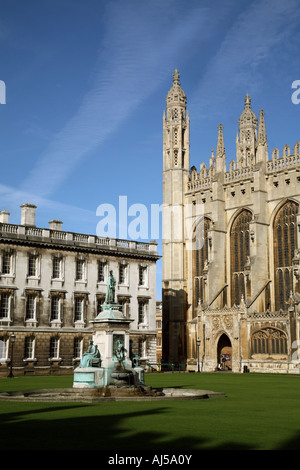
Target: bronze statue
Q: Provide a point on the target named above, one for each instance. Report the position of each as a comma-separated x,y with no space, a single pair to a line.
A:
110,290
92,357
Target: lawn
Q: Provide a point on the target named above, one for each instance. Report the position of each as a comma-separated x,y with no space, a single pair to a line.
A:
260,412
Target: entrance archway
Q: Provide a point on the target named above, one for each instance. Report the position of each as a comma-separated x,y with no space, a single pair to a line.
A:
224,352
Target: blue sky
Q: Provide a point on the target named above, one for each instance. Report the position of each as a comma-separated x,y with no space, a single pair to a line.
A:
86,83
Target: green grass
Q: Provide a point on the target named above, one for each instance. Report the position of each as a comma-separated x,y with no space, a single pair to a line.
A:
260,412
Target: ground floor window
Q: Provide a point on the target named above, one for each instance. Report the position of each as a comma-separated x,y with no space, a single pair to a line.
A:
269,341
54,348
3,349
77,347
29,347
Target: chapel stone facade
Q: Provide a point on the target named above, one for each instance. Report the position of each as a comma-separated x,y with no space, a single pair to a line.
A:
230,248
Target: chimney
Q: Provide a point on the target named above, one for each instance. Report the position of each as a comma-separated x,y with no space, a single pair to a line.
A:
55,224
28,214
4,215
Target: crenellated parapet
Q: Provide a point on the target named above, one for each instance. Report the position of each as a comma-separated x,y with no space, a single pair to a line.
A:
284,162
288,160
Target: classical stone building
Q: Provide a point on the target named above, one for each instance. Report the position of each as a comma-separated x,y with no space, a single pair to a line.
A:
53,284
230,248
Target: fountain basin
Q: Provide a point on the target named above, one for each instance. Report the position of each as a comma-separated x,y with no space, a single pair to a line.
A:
109,393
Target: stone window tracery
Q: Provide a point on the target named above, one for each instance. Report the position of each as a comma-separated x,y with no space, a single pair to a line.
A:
175,136
285,243
269,341
239,255
201,246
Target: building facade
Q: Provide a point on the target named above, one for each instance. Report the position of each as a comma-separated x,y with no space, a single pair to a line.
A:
230,248
53,284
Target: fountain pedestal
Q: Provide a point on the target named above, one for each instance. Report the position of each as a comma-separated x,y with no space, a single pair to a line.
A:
111,338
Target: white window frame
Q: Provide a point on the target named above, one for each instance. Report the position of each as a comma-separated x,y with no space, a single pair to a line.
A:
32,266
57,267
56,322
81,274
99,304
10,254
30,357
143,275
124,268
78,348
6,256
29,298
8,307
78,309
56,348
125,306
144,304
37,266
102,265
79,301
4,348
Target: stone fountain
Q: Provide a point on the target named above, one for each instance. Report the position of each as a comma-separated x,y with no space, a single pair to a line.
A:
105,372
105,364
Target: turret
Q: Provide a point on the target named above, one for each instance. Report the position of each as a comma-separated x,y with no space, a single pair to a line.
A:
176,128
175,177
220,153
262,144
247,137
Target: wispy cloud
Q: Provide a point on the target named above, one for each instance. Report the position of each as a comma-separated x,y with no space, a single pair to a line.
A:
11,198
249,43
140,48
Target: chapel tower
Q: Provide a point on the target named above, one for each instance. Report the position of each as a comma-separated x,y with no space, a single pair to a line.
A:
231,256
175,176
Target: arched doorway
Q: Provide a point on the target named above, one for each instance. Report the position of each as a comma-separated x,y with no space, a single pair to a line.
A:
224,352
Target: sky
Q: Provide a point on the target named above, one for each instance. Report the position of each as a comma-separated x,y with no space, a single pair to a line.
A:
83,90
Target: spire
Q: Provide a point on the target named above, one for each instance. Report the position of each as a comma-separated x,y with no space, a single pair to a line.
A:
262,143
262,135
176,127
220,153
247,101
176,96
247,136
220,143
248,117
176,77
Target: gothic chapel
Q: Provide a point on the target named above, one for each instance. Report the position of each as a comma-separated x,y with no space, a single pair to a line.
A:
231,249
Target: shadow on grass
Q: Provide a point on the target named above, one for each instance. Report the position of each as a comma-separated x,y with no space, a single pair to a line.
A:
111,432
82,427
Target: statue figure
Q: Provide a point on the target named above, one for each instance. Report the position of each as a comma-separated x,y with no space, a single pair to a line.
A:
110,290
120,351
91,357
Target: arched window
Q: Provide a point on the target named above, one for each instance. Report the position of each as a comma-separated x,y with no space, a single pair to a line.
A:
200,258
285,244
269,341
239,253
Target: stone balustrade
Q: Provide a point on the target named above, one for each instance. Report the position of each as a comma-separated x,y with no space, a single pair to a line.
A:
48,235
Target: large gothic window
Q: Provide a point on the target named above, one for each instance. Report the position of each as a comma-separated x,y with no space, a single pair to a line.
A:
239,255
285,244
269,341
200,258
